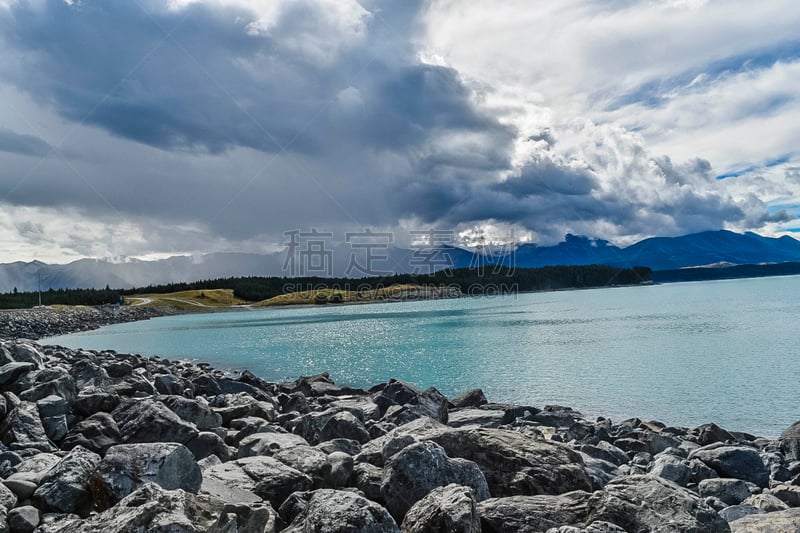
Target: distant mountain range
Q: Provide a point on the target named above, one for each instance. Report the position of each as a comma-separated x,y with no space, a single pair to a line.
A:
708,249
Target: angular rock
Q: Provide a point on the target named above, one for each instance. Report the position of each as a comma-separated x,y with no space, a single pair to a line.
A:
533,514
52,406
59,384
350,447
789,442
648,503
126,467
472,398
418,403
97,433
118,369
789,494
25,353
228,482
490,418
151,509
92,400
243,405
515,464
169,384
730,491
151,421
20,486
606,451
66,487
55,427
634,503
308,460
599,471
735,462
89,375
22,428
23,519
275,481
247,518
340,471
662,441
777,522
672,468
450,508
767,503
193,411
35,467
268,443
345,426
736,512
418,469
207,443
11,372
368,479
8,498
709,434
335,511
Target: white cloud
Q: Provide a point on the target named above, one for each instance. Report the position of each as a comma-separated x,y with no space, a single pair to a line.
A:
606,119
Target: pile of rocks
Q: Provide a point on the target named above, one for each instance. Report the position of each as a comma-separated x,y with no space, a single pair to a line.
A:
49,321
107,442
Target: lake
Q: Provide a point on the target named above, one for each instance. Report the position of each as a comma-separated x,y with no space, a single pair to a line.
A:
684,353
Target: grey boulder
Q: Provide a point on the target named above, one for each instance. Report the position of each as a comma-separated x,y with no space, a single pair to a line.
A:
789,442
777,522
737,462
638,503
275,481
128,466
730,491
268,443
150,421
515,464
24,519
451,509
152,509
196,412
66,488
344,425
97,433
22,428
413,473
336,511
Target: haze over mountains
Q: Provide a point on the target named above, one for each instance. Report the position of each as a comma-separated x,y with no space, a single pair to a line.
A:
659,253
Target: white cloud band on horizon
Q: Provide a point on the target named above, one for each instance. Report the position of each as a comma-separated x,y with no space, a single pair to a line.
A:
236,120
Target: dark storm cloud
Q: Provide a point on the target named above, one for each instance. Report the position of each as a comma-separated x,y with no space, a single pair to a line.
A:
16,143
206,78
545,178
241,126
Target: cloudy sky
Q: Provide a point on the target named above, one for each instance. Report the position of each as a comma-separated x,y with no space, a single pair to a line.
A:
146,128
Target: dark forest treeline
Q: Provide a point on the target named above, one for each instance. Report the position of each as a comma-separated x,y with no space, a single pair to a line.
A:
492,280
731,272
22,300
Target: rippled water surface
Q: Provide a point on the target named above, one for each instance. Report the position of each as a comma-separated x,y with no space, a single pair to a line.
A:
683,353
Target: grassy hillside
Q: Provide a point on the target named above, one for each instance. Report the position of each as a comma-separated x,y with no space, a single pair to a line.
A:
325,296
192,300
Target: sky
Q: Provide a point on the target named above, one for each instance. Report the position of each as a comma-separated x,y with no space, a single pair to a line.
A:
149,128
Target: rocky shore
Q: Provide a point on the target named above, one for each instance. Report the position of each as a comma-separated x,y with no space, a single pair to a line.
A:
109,442
49,321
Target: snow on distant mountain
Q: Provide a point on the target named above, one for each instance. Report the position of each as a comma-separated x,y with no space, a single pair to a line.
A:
659,253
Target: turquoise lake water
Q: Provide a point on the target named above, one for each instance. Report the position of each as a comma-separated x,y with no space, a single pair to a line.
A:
684,353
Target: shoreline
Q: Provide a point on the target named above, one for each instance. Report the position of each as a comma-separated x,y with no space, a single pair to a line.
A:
79,426
38,323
